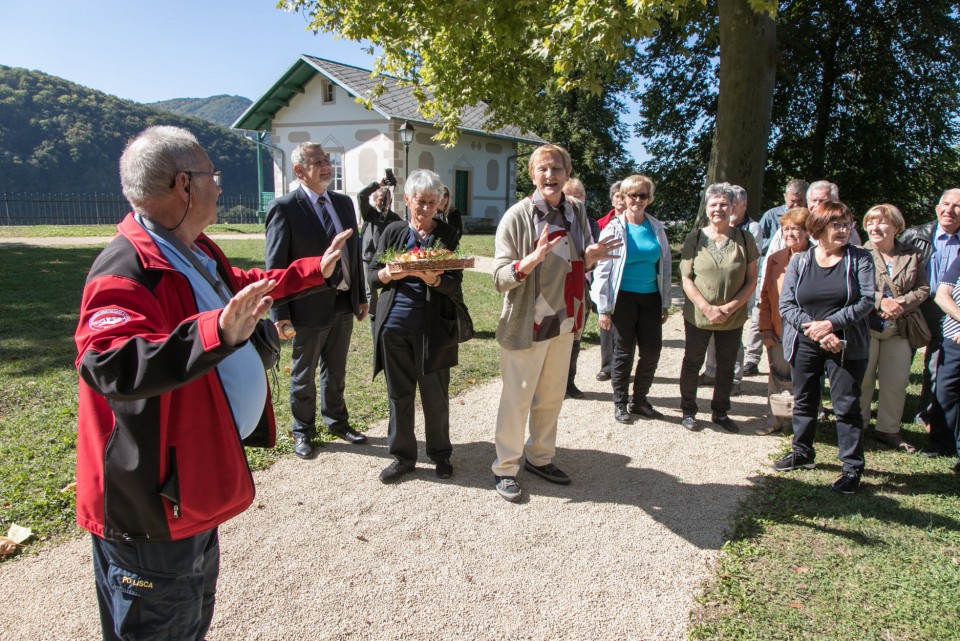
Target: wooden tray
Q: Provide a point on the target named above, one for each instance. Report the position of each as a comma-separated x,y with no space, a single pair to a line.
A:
430,265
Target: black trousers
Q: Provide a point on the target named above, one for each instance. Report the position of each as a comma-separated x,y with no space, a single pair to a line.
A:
575,352
327,347
606,350
636,320
945,414
931,358
694,351
403,369
810,363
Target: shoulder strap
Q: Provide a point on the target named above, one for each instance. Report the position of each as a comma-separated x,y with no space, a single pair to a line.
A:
164,233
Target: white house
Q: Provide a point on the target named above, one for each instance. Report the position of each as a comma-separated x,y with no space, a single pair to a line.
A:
314,100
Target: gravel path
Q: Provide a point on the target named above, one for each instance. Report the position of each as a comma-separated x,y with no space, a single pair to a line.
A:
328,552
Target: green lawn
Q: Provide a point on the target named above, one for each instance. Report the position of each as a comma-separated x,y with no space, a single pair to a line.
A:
805,563
41,296
801,562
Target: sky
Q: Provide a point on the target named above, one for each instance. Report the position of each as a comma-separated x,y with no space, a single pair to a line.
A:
151,50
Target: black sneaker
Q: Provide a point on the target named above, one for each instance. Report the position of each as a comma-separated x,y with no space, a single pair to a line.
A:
793,461
444,469
726,423
751,369
645,409
621,414
690,423
603,376
508,488
395,471
706,381
549,471
847,483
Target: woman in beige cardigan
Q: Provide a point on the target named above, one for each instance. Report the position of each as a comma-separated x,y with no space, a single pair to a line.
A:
890,352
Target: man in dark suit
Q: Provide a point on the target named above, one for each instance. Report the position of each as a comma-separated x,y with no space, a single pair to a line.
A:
303,223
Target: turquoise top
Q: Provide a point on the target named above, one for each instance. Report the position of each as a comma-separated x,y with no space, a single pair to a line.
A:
643,253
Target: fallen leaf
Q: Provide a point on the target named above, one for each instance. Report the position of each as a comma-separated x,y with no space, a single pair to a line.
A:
19,534
69,487
361,537
7,547
460,401
471,381
796,606
287,369
801,570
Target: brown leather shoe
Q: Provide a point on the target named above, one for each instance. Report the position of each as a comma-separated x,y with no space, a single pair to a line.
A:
895,440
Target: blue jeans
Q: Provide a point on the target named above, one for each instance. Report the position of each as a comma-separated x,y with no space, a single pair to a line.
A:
156,591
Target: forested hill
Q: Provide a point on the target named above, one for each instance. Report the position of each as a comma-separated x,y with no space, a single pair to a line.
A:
58,137
221,110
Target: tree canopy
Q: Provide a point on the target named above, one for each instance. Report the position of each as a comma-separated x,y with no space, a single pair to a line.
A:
504,54
866,96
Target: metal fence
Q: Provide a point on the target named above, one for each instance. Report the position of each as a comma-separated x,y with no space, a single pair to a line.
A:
106,209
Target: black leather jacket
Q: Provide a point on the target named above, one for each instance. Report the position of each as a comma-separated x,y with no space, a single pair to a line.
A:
921,237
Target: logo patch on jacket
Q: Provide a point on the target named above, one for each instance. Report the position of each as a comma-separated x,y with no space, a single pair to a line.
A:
106,318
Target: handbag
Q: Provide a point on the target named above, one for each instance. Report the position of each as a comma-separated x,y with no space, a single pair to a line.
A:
464,322
913,326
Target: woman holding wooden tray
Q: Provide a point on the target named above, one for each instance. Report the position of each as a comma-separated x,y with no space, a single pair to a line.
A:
415,329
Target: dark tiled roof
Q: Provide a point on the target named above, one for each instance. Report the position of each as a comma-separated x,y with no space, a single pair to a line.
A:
395,103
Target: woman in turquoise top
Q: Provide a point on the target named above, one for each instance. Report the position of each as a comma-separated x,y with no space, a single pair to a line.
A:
632,291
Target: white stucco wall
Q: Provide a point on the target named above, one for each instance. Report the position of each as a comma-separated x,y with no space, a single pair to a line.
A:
370,144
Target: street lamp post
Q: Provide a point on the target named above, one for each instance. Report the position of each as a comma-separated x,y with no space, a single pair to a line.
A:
406,135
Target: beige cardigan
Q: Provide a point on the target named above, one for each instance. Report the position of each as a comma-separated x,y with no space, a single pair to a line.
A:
517,237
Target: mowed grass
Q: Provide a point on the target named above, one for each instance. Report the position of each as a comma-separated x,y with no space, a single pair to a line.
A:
38,382
803,563
81,231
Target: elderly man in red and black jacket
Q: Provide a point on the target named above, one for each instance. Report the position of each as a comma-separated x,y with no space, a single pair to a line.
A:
171,388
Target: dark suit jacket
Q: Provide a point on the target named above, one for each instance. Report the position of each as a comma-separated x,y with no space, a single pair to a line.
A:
440,334
294,231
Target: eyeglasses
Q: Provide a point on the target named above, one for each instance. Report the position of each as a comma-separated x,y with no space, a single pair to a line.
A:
640,196
215,174
839,225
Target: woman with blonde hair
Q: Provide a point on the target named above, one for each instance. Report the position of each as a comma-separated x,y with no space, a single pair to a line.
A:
901,284
632,292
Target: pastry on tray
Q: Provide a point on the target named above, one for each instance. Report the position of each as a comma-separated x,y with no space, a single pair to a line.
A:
420,260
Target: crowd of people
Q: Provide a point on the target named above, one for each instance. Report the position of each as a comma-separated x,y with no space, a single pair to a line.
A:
172,346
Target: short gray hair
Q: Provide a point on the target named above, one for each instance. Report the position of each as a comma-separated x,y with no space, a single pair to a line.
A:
423,181
720,190
820,185
150,162
797,186
299,154
739,194
615,188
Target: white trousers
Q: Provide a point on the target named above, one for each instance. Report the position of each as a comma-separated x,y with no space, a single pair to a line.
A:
534,382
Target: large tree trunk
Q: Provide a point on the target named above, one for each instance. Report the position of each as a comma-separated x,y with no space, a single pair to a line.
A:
748,65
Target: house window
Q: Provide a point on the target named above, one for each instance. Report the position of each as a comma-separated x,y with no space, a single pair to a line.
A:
336,161
461,192
328,93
